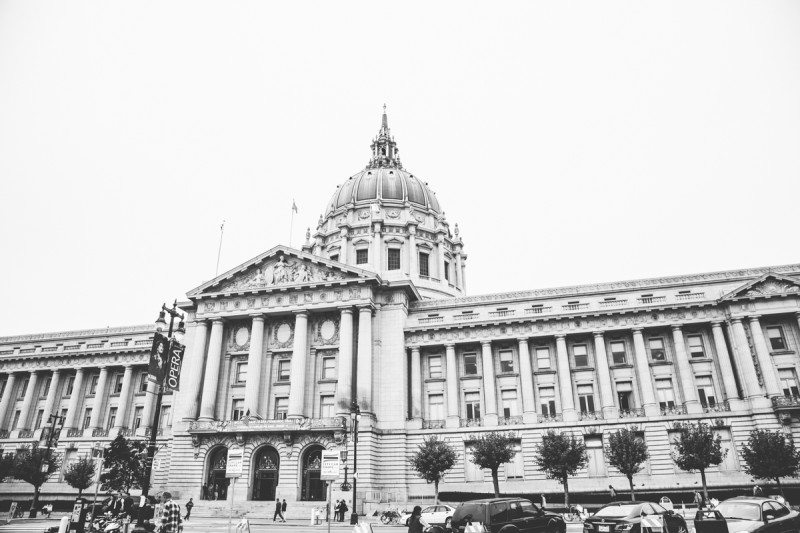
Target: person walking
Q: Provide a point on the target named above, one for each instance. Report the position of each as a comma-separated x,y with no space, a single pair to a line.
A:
170,515
188,506
283,510
612,494
415,522
544,501
698,500
757,490
278,511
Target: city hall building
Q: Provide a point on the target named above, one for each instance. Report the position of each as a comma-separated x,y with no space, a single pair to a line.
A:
374,309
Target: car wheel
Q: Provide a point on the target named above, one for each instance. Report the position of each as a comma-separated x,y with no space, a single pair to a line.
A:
447,523
408,520
682,528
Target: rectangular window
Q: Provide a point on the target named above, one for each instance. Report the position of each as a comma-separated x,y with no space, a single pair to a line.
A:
362,256
547,401
39,416
435,367
695,343
666,396
334,257
241,372
23,388
283,369
586,398
506,361
705,390
542,358
393,259
93,384
87,417
166,417
514,468
581,355
625,395
776,339
436,407
237,409
509,401
64,413
326,407
137,417
3,387
16,420
143,382
470,364
594,453
117,384
69,386
788,379
328,368
112,417
46,388
618,352
281,408
424,269
472,403
657,352
447,270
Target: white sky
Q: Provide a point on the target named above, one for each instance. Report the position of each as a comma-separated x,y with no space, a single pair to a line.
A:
572,141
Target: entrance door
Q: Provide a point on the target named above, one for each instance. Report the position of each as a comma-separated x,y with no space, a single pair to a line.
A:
265,474
313,486
216,482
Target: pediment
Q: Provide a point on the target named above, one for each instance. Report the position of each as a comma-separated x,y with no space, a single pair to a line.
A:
280,267
766,286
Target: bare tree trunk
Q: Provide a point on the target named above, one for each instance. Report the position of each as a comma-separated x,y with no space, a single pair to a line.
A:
566,492
630,482
705,488
496,483
436,492
780,487
34,503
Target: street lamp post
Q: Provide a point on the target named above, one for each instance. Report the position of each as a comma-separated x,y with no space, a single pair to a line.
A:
151,447
355,416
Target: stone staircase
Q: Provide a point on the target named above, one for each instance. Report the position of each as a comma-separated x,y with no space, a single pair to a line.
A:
259,510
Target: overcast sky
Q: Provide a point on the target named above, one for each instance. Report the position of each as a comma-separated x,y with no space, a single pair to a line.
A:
573,142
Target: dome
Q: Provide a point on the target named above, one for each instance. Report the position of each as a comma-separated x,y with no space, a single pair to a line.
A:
391,184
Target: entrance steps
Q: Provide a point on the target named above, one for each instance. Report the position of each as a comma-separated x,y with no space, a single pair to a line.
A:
261,510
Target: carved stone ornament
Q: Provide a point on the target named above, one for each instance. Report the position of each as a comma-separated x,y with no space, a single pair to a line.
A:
419,217
280,272
282,334
363,214
239,340
326,330
772,287
393,213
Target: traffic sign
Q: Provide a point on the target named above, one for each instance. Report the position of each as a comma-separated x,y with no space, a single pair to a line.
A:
233,467
330,465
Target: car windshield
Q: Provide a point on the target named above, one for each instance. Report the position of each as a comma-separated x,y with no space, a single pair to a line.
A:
617,511
739,511
470,509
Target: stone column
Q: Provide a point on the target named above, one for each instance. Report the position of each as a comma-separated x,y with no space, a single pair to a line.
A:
124,398
344,365
413,267
96,420
416,383
565,380
744,358
489,383
649,403
192,373
5,401
297,368
725,367
364,363
526,379
604,377
50,402
27,402
451,370
685,372
208,403
768,373
74,400
255,359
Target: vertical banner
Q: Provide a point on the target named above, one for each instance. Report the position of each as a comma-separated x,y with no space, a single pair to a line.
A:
158,357
174,364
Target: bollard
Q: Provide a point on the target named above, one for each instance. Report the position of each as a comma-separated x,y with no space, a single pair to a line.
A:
63,526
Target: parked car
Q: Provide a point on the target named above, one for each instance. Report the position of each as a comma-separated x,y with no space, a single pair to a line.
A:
511,515
434,515
626,517
746,514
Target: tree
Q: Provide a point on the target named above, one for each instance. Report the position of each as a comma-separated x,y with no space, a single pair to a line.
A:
559,456
626,452
770,455
80,474
492,450
698,449
433,458
35,466
125,464
6,466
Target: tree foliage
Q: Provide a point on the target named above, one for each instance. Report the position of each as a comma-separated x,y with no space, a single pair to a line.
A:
626,451
770,455
125,464
35,466
492,450
80,474
698,449
560,456
6,466
432,460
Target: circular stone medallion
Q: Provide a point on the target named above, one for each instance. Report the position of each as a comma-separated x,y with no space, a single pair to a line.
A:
284,333
327,330
242,336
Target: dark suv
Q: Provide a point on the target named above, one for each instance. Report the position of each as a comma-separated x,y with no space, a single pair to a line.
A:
509,515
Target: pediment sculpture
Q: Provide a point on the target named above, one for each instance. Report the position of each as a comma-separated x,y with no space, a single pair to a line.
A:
772,287
281,272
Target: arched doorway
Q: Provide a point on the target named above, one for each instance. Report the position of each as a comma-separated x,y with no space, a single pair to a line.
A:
216,481
313,488
265,473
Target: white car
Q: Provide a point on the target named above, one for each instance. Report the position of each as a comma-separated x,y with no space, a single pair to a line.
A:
434,515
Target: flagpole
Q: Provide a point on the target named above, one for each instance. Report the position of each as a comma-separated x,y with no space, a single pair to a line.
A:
219,252
291,222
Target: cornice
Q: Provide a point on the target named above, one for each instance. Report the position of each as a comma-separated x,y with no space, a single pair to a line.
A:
75,334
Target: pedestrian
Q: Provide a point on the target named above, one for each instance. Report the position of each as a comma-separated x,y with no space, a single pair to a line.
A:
216,492
612,494
171,515
204,492
757,490
342,510
283,509
415,523
278,511
544,501
336,511
189,506
698,500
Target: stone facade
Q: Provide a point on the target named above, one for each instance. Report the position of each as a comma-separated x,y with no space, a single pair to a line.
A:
373,309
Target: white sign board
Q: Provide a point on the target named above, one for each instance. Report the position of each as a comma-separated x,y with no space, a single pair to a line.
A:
233,467
330,465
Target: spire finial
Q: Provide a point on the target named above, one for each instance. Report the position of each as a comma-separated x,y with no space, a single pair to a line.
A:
384,148
384,121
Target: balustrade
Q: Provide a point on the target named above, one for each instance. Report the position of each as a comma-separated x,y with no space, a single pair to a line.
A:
74,432
510,420
430,320
470,422
537,310
4,433
590,415
433,424
25,433
690,296
505,312
100,432
674,410
634,412
605,304
652,299
719,407
575,307
544,419
786,402
465,316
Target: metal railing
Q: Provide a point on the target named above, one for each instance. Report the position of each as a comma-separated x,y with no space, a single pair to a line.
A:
509,420
25,433
433,424
590,415
786,402
99,432
126,432
674,410
634,412
4,433
470,422
719,407
544,419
